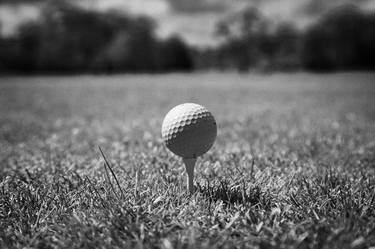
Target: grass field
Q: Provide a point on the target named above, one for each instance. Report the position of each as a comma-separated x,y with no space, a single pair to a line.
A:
293,165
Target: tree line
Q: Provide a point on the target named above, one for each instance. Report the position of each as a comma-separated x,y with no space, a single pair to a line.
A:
342,39
67,39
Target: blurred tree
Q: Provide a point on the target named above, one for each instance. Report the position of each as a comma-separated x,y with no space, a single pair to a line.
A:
132,49
251,41
174,55
284,48
73,37
242,33
343,39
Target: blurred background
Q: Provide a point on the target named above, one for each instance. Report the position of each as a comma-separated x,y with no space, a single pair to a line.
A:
155,36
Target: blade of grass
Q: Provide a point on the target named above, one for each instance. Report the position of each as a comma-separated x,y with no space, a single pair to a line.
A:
110,182
113,173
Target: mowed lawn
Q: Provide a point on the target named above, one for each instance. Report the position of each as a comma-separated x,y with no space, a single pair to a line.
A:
293,165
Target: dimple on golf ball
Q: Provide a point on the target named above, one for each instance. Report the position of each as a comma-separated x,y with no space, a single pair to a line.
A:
189,130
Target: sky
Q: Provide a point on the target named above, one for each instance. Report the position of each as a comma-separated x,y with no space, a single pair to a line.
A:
193,20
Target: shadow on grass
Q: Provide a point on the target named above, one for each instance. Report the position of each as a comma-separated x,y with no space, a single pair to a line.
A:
231,194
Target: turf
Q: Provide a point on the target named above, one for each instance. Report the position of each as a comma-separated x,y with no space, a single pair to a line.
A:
293,165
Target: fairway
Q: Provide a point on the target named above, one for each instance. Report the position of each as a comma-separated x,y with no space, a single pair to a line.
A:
293,165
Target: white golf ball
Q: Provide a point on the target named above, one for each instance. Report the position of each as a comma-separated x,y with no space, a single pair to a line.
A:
189,130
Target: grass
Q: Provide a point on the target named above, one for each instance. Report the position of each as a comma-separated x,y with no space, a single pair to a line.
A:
293,165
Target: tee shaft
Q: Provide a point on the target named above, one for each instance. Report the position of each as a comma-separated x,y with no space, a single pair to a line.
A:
189,166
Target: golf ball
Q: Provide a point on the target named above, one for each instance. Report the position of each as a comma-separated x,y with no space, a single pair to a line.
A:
189,130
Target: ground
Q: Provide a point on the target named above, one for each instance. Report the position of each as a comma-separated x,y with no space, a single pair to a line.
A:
293,165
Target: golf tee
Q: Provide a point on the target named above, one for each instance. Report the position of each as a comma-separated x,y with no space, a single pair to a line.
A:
189,166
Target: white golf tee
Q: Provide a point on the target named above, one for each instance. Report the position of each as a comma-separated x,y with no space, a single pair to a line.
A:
189,166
